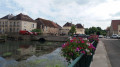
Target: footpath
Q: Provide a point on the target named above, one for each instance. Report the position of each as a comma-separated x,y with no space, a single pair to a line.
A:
100,59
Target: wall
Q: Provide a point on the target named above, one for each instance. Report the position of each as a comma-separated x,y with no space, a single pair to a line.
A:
80,31
118,29
50,30
7,26
26,25
65,30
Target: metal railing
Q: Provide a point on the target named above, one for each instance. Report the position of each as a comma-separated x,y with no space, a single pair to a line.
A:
83,60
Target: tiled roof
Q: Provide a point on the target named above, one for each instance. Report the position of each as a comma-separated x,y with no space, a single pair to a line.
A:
115,24
8,16
68,24
79,26
46,22
58,26
108,29
22,17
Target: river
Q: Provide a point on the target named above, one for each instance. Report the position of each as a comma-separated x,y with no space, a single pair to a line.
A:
31,54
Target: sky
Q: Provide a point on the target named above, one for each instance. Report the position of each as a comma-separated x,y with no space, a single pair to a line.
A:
97,13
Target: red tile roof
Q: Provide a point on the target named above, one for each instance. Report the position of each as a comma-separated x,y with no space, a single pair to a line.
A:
79,26
22,17
58,26
46,22
9,16
108,29
68,24
115,24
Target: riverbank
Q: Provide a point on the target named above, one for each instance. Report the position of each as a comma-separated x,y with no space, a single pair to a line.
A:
53,59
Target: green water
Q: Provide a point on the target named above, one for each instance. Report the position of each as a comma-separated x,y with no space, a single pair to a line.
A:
21,50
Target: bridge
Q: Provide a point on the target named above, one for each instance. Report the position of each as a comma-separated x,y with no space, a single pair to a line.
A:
50,38
38,37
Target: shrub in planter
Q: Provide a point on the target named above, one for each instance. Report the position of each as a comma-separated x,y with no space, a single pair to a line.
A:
74,47
93,38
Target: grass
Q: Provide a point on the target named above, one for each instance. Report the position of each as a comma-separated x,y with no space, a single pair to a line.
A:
7,54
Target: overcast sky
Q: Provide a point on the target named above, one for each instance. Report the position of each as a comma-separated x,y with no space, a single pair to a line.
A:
87,12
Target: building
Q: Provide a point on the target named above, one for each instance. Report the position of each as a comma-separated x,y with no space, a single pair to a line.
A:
13,24
66,28
47,27
108,31
114,28
4,23
80,29
118,29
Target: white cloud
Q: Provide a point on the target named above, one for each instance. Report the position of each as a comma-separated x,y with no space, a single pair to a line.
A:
90,13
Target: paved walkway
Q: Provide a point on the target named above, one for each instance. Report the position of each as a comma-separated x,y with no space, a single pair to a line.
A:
100,59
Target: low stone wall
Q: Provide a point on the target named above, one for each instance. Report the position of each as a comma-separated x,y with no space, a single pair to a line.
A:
33,37
57,38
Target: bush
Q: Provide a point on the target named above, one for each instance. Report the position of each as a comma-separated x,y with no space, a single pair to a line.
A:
93,38
74,47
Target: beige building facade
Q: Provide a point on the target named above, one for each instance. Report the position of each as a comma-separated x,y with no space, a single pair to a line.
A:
66,28
11,25
47,27
80,31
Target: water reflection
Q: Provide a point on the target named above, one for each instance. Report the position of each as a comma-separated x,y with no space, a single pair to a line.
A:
21,50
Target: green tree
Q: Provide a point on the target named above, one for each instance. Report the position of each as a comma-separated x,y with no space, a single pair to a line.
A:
72,30
37,30
95,30
87,31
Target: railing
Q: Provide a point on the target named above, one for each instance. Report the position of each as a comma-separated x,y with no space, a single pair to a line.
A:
83,60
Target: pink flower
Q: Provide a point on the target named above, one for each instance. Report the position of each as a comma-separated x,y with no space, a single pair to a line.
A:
83,52
64,45
71,40
82,41
77,49
74,38
78,41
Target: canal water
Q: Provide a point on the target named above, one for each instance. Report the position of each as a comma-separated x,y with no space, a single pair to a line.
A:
31,54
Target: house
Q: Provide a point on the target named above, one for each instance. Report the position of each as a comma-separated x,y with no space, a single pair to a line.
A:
13,24
47,27
114,28
66,28
108,31
118,29
80,29
4,23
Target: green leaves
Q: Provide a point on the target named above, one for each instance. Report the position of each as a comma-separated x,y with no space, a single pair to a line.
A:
95,30
36,30
72,30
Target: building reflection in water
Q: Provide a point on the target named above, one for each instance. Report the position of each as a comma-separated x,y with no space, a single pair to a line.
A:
21,50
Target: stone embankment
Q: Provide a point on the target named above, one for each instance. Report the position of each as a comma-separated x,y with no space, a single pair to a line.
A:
38,37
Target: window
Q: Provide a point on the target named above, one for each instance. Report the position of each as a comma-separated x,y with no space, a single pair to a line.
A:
18,29
14,23
46,28
10,29
32,25
13,29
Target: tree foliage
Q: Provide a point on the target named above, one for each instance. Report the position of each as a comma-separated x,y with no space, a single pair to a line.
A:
72,30
95,30
36,30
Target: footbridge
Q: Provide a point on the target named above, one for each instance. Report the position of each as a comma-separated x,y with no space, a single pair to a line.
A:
50,38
